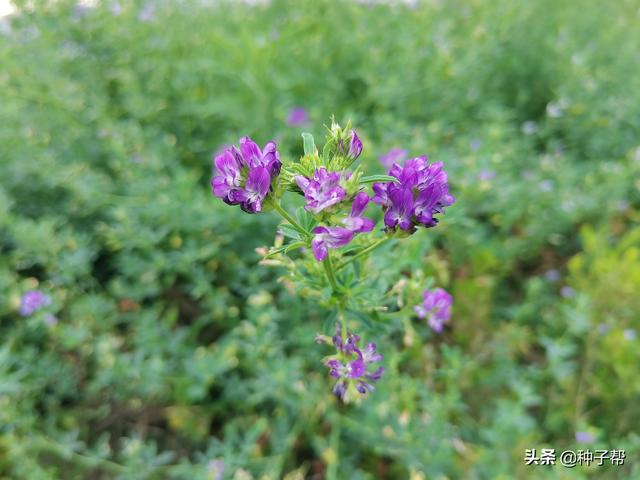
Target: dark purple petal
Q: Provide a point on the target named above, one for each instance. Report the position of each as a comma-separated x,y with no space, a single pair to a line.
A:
258,181
321,191
357,368
375,376
237,155
335,368
319,247
255,191
380,194
351,343
337,338
355,146
360,202
335,237
367,225
425,205
340,389
339,237
401,210
363,387
271,159
251,152
329,237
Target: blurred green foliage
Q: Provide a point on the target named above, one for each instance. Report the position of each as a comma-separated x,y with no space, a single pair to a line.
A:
174,347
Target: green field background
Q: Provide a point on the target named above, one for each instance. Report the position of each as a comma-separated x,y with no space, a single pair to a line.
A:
175,352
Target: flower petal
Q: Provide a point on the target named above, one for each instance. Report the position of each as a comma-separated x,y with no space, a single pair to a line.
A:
319,247
360,202
355,145
251,152
258,181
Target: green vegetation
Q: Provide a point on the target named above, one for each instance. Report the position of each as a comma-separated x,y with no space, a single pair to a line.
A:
174,347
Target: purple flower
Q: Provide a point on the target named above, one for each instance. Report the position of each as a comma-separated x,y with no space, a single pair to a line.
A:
436,307
243,176
355,146
422,190
268,158
552,275
486,175
395,155
297,116
148,13
584,437
623,205
546,185
352,365
215,468
322,191
50,320
336,237
255,190
567,292
629,334
32,301
329,237
400,209
355,221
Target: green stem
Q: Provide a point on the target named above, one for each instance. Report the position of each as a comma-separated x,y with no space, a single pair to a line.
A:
328,269
86,461
289,219
342,318
363,252
332,471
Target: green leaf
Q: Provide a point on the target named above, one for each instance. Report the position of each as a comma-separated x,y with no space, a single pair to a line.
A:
294,246
284,249
288,231
309,144
377,178
306,219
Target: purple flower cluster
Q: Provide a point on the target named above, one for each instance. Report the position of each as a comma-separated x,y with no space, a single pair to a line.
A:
244,175
436,307
353,365
420,192
297,116
395,155
322,190
33,301
336,237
